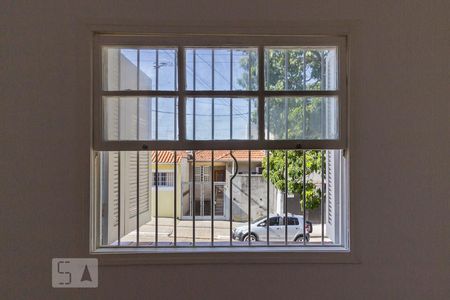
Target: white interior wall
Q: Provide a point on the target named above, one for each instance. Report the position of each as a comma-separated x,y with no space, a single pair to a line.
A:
399,111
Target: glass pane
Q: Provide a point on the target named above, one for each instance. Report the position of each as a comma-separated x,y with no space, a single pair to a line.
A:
311,191
297,118
297,69
245,119
200,116
167,69
221,69
139,69
140,118
221,119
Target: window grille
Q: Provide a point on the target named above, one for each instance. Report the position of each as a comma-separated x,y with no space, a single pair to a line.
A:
163,179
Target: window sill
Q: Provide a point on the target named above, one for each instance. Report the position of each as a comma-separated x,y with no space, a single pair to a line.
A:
237,255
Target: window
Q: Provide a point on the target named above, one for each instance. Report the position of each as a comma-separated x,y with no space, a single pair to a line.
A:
197,139
163,179
202,173
293,221
273,221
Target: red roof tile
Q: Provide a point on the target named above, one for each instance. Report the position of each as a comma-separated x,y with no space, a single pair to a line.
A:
166,157
206,155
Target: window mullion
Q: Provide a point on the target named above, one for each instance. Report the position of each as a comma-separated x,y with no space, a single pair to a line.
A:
181,94
220,94
231,99
261,122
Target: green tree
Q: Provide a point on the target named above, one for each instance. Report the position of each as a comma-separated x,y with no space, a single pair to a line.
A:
295,159
298,118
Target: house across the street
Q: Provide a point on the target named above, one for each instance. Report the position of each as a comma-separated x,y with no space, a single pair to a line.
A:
201,181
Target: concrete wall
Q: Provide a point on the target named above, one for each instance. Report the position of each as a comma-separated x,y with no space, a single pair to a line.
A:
399,148
258,197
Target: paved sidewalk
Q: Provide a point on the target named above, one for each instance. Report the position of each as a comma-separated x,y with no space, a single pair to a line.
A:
184,231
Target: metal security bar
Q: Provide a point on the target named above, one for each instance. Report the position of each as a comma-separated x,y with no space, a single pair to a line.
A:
322,206
235,172
213,205
268,196
137,199
119,225
286,174
249,211
156,198
193,199
304,197
175,199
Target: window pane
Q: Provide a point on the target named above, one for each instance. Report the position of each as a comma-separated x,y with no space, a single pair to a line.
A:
139,69
140,118
295,69
221,69
201,188
245,119
221,119
296,118
163,179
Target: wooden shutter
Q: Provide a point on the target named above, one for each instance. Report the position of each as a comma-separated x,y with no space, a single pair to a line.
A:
114,190
131,182
112,172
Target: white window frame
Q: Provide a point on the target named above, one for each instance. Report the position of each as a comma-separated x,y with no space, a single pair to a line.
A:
169,179
181,41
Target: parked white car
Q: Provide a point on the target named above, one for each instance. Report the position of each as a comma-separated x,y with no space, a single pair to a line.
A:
277,229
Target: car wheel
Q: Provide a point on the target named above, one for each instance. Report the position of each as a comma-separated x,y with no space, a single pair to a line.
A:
299,239
252,238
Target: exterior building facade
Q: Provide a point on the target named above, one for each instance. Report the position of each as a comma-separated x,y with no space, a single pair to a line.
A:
203,189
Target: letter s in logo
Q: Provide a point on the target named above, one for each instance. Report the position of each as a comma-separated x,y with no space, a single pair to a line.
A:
64,273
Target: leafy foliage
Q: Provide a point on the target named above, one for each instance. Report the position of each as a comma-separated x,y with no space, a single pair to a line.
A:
295,161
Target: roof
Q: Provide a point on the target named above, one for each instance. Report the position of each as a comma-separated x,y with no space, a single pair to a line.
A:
206,155
240,155
166,157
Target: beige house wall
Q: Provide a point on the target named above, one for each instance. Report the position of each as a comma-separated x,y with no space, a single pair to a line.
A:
166,194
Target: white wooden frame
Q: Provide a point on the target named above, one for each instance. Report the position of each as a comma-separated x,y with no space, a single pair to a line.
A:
338,254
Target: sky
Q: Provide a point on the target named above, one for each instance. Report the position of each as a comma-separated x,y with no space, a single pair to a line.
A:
202,73
209,69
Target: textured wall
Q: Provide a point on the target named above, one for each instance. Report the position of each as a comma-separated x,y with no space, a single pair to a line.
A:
399,149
